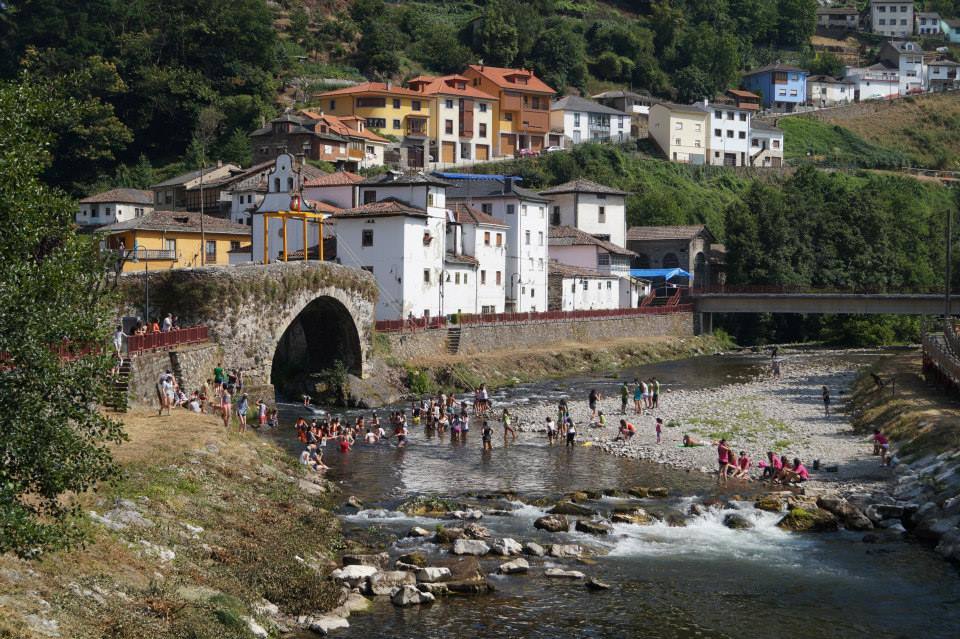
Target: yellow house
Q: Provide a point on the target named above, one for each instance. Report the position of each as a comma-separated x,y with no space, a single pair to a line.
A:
172,239
680,130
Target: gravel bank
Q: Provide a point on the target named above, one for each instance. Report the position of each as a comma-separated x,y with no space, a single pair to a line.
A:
785,415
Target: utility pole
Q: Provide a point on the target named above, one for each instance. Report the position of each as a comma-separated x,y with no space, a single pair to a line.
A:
203,236
949,275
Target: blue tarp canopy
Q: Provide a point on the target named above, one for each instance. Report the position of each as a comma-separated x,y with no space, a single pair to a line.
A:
476,176
658,273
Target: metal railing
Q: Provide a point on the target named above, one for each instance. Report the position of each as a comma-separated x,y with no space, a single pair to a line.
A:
799,289
137,344
950,334
393,326
140,254
936,354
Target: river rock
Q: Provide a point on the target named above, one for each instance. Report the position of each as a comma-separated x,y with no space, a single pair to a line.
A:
416,558
410,596
506,547
578,496
433,574
592,527
570,508
384,583
448,535
658,492
258,631
552,523
564,574
515,567
696,509
888,511
769,503
639,492
630,515
354,576
417,531
596,584
561,551
379,560
323,625
534,549
436,589
469,515
932,529
470,547
736,521
353,502
851,516
476,531
802,520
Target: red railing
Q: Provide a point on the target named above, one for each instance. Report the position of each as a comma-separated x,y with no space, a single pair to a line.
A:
392,326
158,341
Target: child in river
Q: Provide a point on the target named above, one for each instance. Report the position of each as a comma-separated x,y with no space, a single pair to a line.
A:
507,428
881,446
487,435
571,432
551,431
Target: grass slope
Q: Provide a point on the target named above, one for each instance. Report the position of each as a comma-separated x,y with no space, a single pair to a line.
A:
810,140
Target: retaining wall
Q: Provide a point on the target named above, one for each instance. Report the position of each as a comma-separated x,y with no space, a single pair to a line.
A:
486,338
196,365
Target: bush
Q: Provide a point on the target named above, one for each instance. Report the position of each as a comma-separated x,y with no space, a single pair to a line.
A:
419,381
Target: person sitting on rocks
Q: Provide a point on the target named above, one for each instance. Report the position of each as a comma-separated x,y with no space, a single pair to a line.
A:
627,431
796,473
771,468
743,466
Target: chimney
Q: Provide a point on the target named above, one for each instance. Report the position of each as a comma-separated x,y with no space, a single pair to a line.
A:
389,85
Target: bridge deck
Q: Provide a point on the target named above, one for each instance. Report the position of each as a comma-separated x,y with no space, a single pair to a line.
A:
823,303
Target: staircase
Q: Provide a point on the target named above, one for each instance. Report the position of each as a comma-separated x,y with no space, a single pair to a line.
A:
453,340
121,386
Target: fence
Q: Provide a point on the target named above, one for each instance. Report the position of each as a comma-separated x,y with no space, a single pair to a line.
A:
937,356
393,326
137,344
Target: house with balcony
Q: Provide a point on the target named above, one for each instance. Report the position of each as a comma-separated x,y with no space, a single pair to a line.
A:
462,120
744,100
115,205
942,75
907,58
827,91
680,130
838,18
950,27
387,110
593,208
781,86
171,194
637,105
478,241
344,142
164,240
880,81
728,137
583,120
766,145
365,148
522,110
928,24
525,214
891,18
572,247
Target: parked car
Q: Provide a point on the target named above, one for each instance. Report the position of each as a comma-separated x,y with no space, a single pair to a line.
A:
552,149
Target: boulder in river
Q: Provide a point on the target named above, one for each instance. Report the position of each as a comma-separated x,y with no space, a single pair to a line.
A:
769,503
852,517
428,507
736,521
564,574
596,584
552,523
592,527
323,625
561,551
415,558
384,583
639,492
630,515
379,560
658,492
448,535
475,531
433,574
354,576
570,508
410,596
534,549
417,531
802,520
353,502
515,567
506,547
473,547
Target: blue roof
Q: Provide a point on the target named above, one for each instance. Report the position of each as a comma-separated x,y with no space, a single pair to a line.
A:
657,273
477,176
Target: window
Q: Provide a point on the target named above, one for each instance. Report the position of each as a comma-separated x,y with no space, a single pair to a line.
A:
106,211
482,130
716,154
602,211
743,117
718,133
372,102
718,114
609,285
465,277
211,251
677,141
369,197
793,92
483,277
540,264
555,219
366,238
882,20
499,278
333,104
754,142
599,286
430,198
782,92
508,117
396,123
170,245
499,239
483,107
678,126
465,151
776,144
486,238
696,143
729,115
526,238
576,119
540,238
620,123
742,135
730,133
585,284
488,208
456,278
426,276
697,127
449,104
511,209
377,123
415,105
448,127
396,103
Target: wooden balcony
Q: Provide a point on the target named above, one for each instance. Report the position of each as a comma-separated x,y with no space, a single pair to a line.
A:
416,125
532,121
511,102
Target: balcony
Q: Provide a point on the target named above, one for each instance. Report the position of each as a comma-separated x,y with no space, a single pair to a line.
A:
511,103
141,254
416,126
535,121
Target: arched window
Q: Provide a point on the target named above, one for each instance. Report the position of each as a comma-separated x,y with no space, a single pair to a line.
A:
642,260
670,260
276,185
289,184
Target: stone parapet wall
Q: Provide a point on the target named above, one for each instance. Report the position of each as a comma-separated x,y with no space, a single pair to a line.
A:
196,365
486,338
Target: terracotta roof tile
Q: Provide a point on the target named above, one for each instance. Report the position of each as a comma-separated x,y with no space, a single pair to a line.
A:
665,232
569,236
124,196
337,178
187,221
555,268
500,75
389,207
581,185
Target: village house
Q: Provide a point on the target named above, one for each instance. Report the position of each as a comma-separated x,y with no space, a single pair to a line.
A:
245,191
942,75
525,213
171,194
891,18
398,233
522,109
343,141
669,247
839,18
826,91
928,24
907,58
680,131
477,244
461,126
340,189
744,100
583,120
950,27
173,239
637,105
781,86
574,288
728,140
593,208
365,148
878,81
115,205
573,247
766,145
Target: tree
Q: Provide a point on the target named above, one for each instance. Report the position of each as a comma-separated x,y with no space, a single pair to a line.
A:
559,57
497,38
53,438
440,49
379,45
798,21
826,63
236,149
692,85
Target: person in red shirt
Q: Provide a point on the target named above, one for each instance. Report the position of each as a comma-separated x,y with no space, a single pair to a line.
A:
797,473
881,446
627,430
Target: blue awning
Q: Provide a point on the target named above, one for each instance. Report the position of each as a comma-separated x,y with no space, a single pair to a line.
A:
658,273
477,176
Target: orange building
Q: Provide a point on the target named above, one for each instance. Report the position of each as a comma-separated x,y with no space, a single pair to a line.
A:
522,111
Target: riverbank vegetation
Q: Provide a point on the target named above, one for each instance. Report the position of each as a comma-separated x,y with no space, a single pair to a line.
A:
200,526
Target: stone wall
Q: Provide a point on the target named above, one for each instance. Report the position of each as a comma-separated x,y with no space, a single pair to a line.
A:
196,364
482,339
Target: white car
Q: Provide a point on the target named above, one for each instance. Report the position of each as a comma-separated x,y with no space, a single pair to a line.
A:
552,149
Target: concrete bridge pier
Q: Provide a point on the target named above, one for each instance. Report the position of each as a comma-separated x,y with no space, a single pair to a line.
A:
702,323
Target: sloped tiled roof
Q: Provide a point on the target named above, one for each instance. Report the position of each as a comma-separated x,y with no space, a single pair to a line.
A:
740,93
485,189
184,221
338,125
499,75
466,214
576,103
323,207
582,185
665,232
389,207
569,236
555,268
460,259
371,87
446,85
403,179
337,178
124,196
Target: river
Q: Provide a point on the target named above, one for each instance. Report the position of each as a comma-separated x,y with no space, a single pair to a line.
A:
700,580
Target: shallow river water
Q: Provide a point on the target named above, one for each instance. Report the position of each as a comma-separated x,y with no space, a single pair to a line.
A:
701,580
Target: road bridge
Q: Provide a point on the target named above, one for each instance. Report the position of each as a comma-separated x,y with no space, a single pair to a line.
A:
822,303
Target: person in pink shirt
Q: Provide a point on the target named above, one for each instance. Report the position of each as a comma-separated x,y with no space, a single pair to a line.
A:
797,473
881,446
743,466
771,467
723,459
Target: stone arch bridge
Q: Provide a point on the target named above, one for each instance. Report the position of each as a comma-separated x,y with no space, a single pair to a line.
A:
277,322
